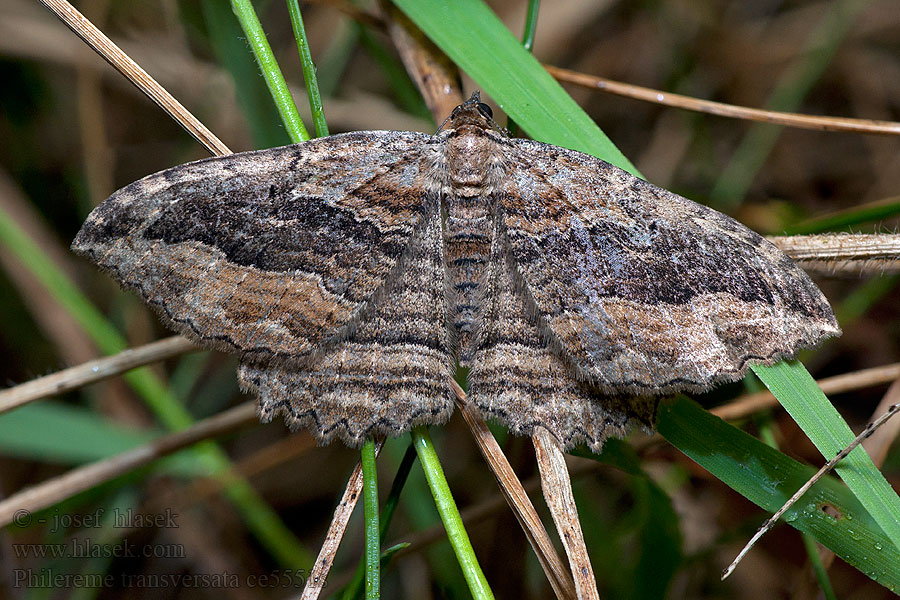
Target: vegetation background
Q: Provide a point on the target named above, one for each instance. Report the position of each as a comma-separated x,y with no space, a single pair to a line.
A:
73,131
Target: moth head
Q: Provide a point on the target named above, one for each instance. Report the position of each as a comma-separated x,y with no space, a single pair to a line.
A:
472,112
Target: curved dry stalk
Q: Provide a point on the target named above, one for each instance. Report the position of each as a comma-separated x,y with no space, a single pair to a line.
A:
517,499
427,66
106,48
856,253
77,480
725,110
93,371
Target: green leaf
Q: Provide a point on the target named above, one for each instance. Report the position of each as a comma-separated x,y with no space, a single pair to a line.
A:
250,90
768,478
256,38
370,510
456,530
798,393
877,211
71,435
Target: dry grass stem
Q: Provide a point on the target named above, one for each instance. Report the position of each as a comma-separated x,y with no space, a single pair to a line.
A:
725,110
558,495
852,253
93,371
83,478
319,573
106,48
518,500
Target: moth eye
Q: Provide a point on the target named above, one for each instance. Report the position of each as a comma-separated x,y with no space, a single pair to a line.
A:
485,110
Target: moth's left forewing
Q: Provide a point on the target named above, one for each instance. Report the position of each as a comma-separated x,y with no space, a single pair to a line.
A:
642,291
270,253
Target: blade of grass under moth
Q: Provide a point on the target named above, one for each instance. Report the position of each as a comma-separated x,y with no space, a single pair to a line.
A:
370,510
354,588
531,18
250,91
256,37
456,531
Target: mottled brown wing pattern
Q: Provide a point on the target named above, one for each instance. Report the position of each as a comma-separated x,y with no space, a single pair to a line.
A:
271,253
642,291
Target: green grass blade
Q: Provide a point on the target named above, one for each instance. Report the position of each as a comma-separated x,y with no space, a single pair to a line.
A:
355,587
797,391
419,511
456,531
768,478
373,531
818,567
531,18
256,37
309,69
470,34
70,435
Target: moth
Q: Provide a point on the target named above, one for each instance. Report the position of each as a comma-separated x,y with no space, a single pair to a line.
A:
353,273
